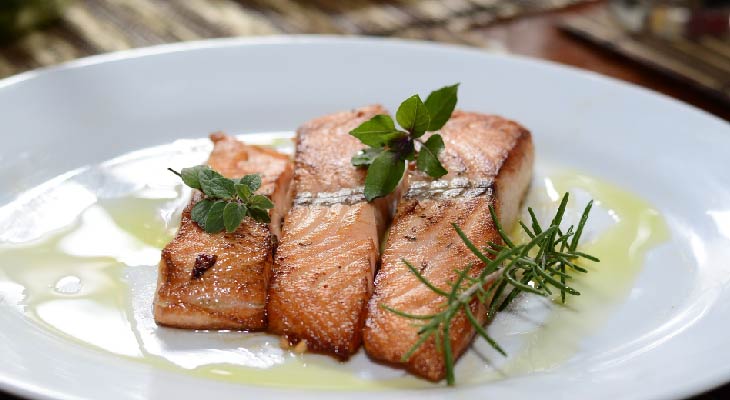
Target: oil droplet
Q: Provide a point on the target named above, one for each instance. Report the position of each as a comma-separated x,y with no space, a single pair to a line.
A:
68,285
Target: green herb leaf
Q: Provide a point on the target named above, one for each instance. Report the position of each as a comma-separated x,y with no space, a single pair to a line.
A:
214,221
427,159
365,156
390,148
252,181
377,131
243,191
413,116
227,201
232,217
410,153
261,202
440,104
383,175
190,175
507,267
243,210
215,184
259,215
200,210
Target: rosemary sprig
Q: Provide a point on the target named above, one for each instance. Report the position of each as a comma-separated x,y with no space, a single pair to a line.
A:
546,261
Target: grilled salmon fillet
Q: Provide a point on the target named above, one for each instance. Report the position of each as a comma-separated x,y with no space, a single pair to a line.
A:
220,281
329,248
489,160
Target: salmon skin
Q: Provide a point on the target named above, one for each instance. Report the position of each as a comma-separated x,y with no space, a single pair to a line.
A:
220,281
489,160
329,249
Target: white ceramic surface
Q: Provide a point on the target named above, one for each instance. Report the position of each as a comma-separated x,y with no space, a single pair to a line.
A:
668,340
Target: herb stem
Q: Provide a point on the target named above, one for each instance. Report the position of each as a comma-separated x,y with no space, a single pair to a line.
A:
545,261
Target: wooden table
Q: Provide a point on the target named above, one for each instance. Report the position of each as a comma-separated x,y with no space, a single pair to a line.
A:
538,36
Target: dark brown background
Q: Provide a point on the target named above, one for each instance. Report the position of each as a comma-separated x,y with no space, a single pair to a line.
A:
539,36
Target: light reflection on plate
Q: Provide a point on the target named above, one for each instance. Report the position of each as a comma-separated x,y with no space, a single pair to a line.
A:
669,154
113,246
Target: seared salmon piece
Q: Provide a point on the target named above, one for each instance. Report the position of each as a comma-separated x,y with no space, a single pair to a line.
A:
490,161
326,259
220,281
232,158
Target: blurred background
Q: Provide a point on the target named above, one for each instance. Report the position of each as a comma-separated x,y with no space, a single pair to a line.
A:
678,47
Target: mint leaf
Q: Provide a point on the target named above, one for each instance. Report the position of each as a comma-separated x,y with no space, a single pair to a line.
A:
405,148
190,175
214,221
427,159
200,210
413,116
243,210
377,131
232,217
243,191
215,184
383,175
227,201
440,104
365,156
261,202
259,215
252,181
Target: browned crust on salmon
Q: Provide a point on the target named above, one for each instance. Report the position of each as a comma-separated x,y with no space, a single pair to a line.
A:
327,256
324,149
229,291
325,305
477,147
231,294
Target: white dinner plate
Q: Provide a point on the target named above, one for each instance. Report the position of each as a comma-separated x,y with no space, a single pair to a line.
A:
665,337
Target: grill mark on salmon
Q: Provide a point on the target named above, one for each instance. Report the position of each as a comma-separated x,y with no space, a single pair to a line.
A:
489,160
326,260
220,281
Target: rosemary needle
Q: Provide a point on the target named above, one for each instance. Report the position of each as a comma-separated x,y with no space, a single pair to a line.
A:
546,261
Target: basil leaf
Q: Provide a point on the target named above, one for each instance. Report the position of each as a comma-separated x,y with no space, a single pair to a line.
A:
405,148
260,202
215,184
190,175
427,159
410,155
200,210
413,116
252,181
383,175
231,217
214,221
243,191
377,131
365,156
440,104
259,215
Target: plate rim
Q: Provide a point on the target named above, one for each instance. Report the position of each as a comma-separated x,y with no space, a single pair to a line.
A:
305,39
709,380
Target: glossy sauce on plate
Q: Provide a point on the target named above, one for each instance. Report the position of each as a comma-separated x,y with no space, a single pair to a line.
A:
78,256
